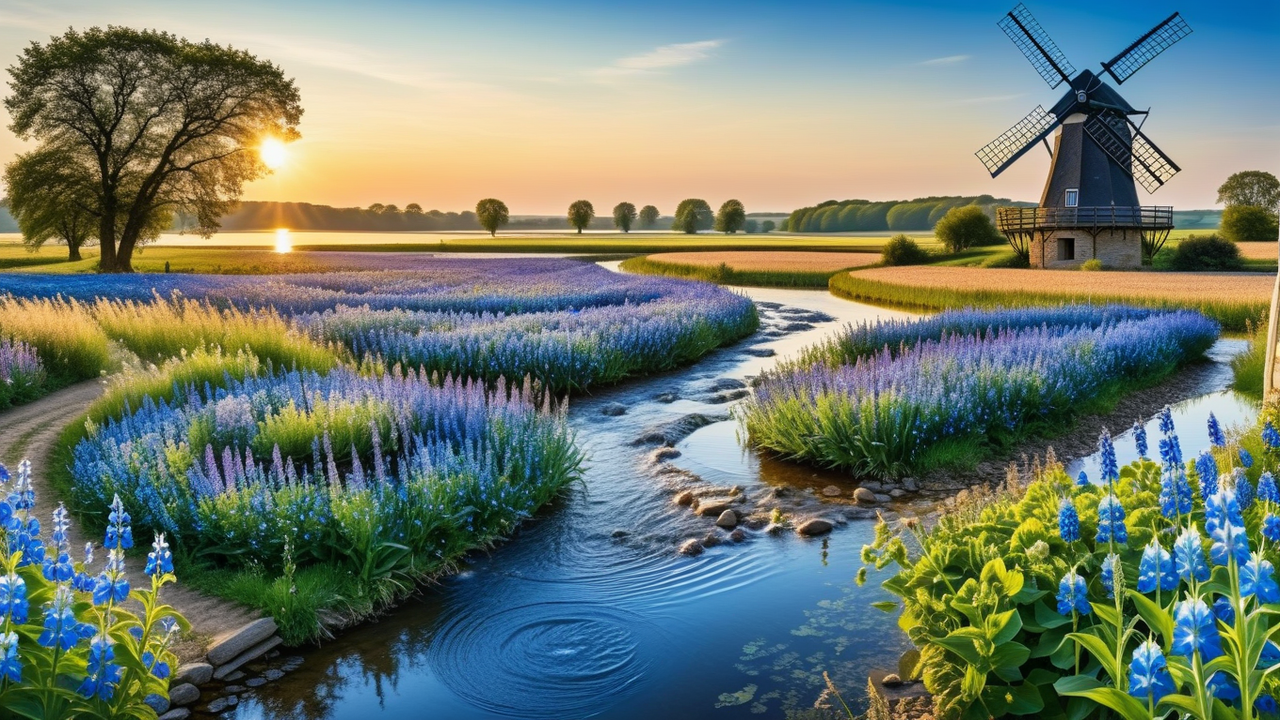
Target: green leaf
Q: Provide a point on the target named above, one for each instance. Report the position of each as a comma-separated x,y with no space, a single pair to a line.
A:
885,606
1010,655
1086,687
1006,625
1154,616
1099,650
1048,618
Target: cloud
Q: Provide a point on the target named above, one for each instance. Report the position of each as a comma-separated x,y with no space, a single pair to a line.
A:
948,60
661,58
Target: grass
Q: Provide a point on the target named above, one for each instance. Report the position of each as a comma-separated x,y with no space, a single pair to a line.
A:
70,343
1234,300
723,274
1248,367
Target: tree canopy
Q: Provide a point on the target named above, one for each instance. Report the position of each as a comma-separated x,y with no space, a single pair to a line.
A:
49,202
580,214
894,215
624,213
731,217
492,214
966,226
166,126
1256,188
1249,223
692,215
649,217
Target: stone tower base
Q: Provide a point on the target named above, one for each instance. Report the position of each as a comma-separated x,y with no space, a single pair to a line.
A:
1068,249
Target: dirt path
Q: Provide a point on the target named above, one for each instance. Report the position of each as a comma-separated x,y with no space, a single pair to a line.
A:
30,431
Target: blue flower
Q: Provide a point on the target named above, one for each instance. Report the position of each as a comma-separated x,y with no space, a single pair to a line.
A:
1207,471
1223,610
112,586
1140,438
13,598
1257,577
1111,525
59,571
104,675
1246,460
158,668
1225,525
1149,673
1166,421
1223,687
1188,555
1082,479
1068,521
1170,452
1073,595
1270,655
1270,437
1267,491
1194,630
1156,569
23,496
1175,494
1266,704
10,663
160,558
1216,436
1244,490
119,534
1271,528
61,628
1108,576
1110,470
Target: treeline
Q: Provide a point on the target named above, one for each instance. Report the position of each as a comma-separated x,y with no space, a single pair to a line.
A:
299,216
895,215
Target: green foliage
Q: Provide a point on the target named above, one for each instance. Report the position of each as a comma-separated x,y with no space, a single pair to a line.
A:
902,250
731,217
866,216
624,213
767,226
1091,265
751,227
648,217
693,215
1255,188
965,227
1206,252
492,214
580,214
48,200
1248,367
1249,223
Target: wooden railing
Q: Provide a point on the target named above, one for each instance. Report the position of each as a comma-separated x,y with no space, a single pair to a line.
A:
1028,219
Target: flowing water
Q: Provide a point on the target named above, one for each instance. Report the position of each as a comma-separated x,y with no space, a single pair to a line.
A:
591,612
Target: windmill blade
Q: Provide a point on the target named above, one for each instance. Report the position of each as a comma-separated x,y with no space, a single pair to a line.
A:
1146,48
1132,151
1004,150
1021,27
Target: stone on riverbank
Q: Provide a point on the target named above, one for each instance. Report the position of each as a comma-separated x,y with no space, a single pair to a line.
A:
684,497
197,673
176,714
814,526
252,653
241,640
727,520
692,548
613,409
864,496
713,506
832,491
184,694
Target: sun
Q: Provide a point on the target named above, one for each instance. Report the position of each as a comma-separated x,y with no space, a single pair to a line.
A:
273,153
284,243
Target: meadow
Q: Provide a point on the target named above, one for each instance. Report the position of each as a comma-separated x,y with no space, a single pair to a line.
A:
894,398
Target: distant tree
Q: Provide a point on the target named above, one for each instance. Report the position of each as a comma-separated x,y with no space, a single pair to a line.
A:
1249,223
413,209
170,126
731,217
492,214
751,227
966,226
1251,187
50,199
693,215
376,208
648,217
767,226
390,210
624,213
580,214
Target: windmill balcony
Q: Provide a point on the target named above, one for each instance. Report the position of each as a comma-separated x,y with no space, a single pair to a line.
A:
1014,220
1119,237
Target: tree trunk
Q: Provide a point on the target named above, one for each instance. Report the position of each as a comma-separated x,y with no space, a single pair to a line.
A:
107,239
124,253
73,252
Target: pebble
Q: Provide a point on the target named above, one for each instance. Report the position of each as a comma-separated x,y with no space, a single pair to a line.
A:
613,409
814,526
691,548
713,506
241,640
711,540
684,497
233,689
891,680
194,673
897,493
291,663
738,535
183,694
832,491
234,677
910,484
221,704
882,498
256,682
176,714
619,534
864,496
727,520
159,703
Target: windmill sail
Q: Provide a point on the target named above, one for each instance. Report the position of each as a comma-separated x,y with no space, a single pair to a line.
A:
1146,48
1132,151
1021,27
1004,150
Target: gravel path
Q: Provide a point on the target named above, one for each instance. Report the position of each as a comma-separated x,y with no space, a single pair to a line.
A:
30,431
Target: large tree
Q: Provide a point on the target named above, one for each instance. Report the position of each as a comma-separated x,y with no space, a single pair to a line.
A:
492,214
580,214
731,217
649,217
624,213
166,126
50,200
1251,187
693,215
966,226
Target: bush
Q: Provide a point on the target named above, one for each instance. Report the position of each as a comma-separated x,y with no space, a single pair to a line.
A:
1249,223
965,227
1092,265
902,250
1206,252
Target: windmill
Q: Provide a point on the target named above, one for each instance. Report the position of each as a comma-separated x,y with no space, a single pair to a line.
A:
1099,156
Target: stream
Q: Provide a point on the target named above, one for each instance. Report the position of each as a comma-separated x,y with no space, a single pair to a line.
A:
590,611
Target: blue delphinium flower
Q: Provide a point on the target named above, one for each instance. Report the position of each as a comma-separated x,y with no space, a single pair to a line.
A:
61,628
1216,436
1225,526
1244,490
1223,610
1140,438
1246,459
83,581
1149,673
1111,527
1224,687
158,668
104,675
1082,479
1188,555
1266,704
1073,595
1166,421
1194,630
1270,437
112,585
1068,521
13,598
1207,471
23,496
1257,577
119,533
10,663
1175,493
1270,655
1108,575
1267,491
1156,569
1110,469
160,558
1271,528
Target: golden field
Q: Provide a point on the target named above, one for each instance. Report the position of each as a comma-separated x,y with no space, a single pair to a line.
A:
755,261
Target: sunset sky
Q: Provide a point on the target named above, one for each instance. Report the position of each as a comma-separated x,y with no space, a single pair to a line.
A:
779,105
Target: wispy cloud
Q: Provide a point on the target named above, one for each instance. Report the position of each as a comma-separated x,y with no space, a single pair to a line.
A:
664,57
948,60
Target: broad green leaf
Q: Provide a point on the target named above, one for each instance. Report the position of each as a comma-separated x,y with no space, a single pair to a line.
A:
1080,686
1154,616
885,606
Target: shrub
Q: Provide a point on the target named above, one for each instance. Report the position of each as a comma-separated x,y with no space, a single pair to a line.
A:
902,250
1091,265
1206,252
22,377
63,332
965,227
1249,223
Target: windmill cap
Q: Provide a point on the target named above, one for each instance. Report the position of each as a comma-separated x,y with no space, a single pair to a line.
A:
1097,93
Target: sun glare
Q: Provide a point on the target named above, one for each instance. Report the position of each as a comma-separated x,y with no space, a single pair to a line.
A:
284,243
273,153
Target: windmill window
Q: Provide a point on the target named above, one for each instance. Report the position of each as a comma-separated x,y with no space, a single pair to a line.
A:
1066,248
1073,198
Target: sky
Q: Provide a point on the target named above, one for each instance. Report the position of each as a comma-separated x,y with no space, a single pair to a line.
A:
780,105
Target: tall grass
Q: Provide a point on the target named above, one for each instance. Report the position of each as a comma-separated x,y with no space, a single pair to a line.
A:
1249,366
722,274
70,343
